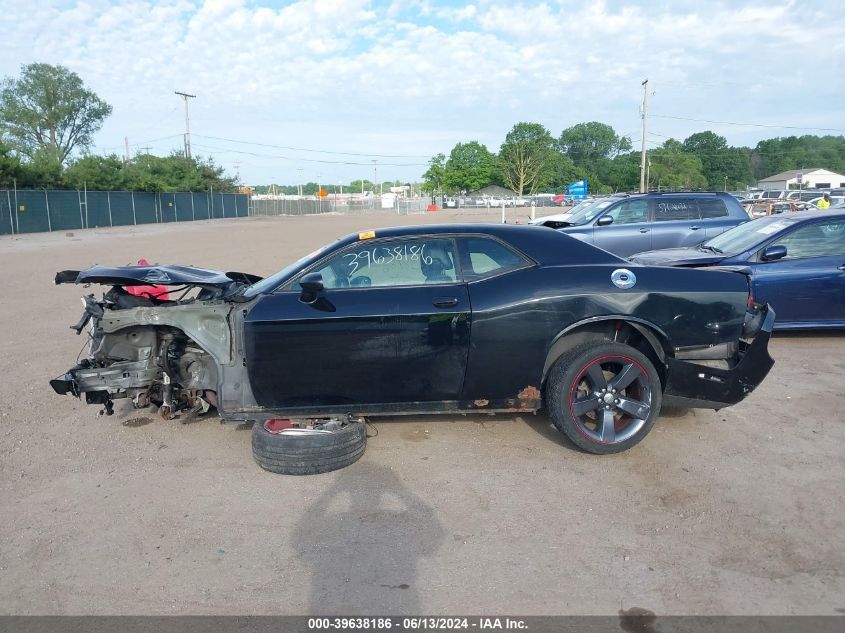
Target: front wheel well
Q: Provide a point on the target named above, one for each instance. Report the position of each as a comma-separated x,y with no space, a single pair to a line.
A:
640,336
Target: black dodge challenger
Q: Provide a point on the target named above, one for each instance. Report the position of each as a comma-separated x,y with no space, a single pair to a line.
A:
426,319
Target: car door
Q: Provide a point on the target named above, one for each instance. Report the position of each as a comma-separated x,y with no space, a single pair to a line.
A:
504,338
715,218
630,231
808,285
390,327
676,223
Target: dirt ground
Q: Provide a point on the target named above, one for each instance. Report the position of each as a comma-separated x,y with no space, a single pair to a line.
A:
731,512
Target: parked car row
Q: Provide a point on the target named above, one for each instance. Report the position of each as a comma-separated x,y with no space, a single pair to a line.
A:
538,200
798,195
794,252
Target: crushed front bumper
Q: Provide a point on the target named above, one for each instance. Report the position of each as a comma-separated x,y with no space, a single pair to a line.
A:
693,385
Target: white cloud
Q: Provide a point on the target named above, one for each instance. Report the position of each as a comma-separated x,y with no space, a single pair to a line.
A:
416,76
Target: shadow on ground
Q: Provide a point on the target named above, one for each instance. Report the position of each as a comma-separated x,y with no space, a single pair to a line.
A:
362,541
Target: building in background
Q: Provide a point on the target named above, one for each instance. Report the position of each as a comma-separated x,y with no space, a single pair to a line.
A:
810,178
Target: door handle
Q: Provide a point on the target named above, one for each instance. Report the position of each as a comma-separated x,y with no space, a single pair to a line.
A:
643,230
694,228
445,302
842,267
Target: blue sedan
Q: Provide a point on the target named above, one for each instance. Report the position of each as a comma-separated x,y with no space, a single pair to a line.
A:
796,263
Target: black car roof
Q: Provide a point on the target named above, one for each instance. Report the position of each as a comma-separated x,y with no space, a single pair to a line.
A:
541,244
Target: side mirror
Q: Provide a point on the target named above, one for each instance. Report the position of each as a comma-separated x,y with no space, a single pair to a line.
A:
604,220
312,285
773,253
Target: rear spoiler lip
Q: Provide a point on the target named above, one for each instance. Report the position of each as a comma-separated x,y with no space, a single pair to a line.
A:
66,277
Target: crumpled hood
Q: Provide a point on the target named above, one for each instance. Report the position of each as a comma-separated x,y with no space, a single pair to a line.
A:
159,275
677,257
558,217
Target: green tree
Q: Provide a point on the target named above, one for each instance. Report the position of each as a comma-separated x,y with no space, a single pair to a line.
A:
588,143
49,110
720,164
435,174
99,173
356,186
672,168
559,173
470,166
526,158
622,173
11,170
43,171
772,156
146,172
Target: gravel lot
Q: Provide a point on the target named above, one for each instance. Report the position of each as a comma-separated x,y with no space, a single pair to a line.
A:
731,512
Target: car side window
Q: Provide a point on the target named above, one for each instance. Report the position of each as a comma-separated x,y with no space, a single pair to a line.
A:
815,240
712,208
403,262
485,257
677,209
630,212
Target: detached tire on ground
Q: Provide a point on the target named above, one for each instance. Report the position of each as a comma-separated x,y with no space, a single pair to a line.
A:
604,396
308,453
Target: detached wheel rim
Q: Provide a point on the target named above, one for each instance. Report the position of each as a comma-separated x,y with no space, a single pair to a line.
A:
610,399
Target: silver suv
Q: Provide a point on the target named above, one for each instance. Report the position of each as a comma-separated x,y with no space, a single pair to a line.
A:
651,221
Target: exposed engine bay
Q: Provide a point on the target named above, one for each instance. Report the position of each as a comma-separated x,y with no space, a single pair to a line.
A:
165,352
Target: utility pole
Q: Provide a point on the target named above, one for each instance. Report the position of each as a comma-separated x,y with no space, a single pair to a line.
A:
643,183
375,176
186,96
126,145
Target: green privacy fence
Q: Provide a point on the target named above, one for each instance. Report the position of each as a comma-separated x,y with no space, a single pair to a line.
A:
36,211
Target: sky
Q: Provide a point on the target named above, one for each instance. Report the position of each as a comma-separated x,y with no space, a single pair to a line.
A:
333,90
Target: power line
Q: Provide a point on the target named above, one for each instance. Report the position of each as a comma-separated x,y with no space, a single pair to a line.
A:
306,160
152,140
785,127
315,151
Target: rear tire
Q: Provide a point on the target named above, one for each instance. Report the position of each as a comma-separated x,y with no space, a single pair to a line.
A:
605,397
308,454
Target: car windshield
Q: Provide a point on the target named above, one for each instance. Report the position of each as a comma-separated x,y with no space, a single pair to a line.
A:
268,283
588,212
580,205
747,235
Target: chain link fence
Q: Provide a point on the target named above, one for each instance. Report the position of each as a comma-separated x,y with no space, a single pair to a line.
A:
36,211
295,205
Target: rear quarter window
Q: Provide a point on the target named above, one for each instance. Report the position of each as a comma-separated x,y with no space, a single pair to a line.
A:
712,208
486,257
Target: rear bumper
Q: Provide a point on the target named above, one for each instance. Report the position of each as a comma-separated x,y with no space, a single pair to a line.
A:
696,386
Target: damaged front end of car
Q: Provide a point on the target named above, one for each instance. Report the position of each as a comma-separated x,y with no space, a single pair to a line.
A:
149,347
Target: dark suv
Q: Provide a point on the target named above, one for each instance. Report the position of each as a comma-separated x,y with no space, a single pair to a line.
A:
651,221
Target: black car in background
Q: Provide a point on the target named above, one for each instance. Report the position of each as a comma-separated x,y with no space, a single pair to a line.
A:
427,319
